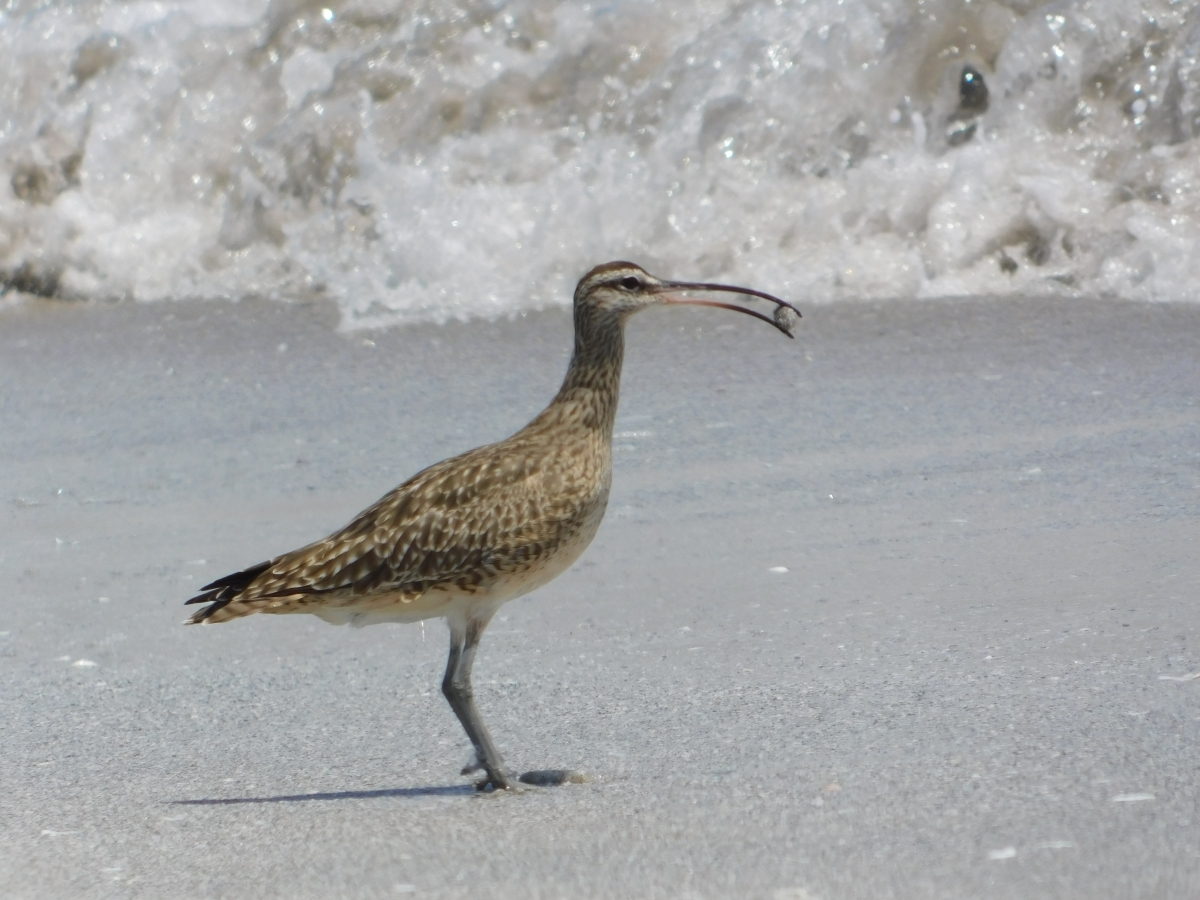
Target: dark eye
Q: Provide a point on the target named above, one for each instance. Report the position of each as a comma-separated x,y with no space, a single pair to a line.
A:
630,283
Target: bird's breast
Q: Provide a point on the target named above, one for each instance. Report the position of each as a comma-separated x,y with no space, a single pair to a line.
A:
556,555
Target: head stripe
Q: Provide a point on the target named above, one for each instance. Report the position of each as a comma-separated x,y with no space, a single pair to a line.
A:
605,272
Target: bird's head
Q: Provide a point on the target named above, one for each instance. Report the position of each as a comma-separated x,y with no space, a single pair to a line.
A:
619,289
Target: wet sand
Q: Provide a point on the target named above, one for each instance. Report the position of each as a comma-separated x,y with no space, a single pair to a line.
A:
989,514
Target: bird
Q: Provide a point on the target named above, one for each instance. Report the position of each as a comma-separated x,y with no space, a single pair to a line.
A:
468,534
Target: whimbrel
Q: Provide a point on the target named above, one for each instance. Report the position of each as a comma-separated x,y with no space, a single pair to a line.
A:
470,533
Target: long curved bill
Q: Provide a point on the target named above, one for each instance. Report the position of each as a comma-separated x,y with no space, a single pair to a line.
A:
782,320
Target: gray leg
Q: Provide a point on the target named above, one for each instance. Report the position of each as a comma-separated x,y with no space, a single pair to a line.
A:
464,639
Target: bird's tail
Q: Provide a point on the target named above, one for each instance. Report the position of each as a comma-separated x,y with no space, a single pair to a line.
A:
222,597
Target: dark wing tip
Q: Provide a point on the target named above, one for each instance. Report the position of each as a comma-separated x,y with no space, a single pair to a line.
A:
239,581
224,591
206,597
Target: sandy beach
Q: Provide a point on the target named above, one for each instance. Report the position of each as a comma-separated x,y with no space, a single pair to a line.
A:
904,608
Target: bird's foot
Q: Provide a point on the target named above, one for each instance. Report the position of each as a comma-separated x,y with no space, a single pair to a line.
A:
493,780
554,777
504,780
493,783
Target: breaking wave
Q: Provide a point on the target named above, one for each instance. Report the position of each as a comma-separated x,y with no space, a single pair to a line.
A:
439,159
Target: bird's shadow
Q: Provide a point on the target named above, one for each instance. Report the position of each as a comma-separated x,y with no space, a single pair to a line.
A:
449,790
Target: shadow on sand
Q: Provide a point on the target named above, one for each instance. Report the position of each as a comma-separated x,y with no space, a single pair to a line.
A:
457,790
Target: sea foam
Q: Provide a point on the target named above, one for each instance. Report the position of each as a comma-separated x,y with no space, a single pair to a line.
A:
435,160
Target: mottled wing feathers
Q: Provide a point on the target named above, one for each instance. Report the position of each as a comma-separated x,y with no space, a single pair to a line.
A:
462,521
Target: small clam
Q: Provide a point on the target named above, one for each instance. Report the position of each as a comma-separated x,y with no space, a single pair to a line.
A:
785,318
